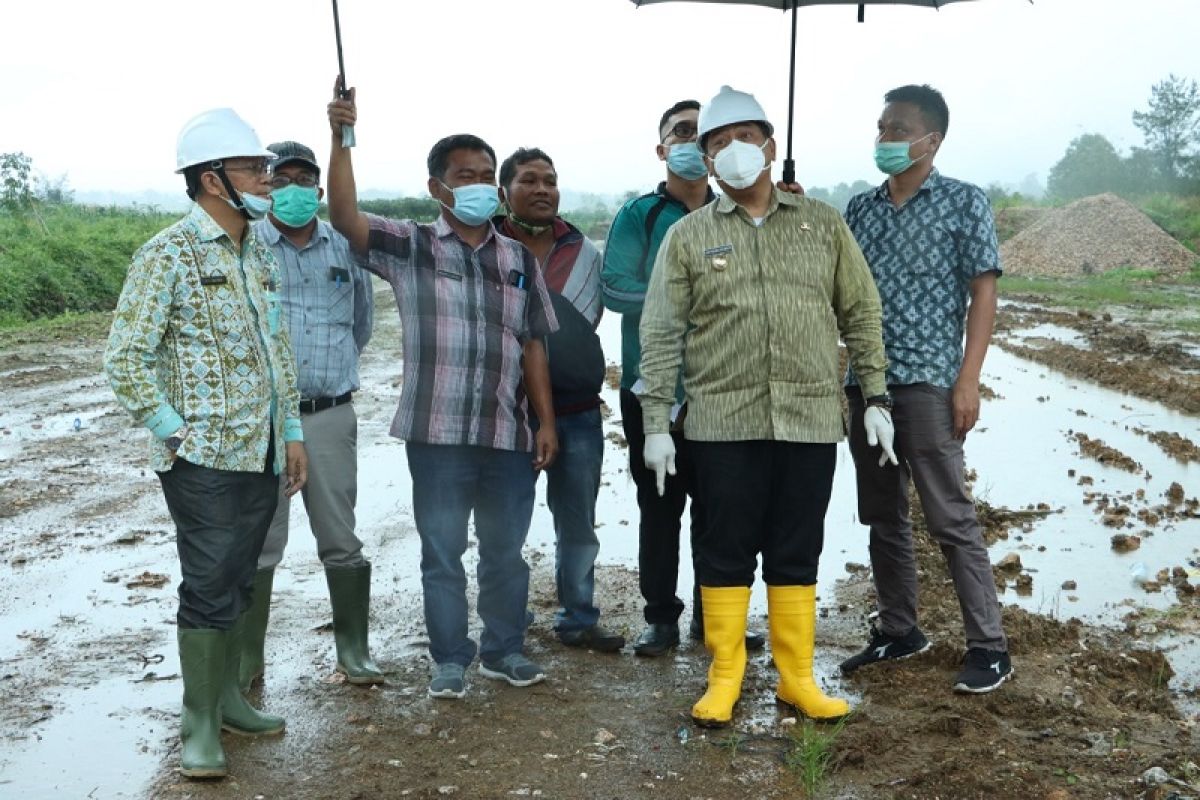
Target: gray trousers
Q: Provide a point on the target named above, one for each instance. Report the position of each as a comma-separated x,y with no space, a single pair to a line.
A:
331,442
933,459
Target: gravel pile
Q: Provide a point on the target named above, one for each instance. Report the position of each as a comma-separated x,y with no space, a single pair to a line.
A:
1093,235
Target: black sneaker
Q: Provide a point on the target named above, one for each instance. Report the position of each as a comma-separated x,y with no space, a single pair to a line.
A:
658,638
883,647
983,671
594,638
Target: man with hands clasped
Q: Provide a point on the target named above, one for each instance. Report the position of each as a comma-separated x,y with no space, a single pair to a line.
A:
758,287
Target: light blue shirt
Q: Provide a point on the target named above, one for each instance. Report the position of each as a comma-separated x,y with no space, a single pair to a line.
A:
327,300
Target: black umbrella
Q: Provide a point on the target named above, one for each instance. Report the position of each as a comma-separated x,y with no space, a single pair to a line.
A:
789,165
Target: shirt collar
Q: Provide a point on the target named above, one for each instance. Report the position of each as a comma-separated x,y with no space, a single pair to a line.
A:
661,191
932,181
206,226
726,205
442,229
270,234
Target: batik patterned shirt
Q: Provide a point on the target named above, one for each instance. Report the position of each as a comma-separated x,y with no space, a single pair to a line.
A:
924,256
465,314
197,339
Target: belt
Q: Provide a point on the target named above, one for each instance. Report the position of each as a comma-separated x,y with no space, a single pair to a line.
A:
313,405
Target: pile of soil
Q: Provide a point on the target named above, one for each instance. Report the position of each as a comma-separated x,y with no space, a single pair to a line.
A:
1093,235
1011,221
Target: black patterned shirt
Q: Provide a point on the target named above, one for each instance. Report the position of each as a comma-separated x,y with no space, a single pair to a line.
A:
924,256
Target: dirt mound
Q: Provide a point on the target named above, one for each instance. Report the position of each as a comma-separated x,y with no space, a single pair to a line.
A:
1011,221
1093,235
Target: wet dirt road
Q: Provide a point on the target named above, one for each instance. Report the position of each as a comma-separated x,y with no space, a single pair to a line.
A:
89,669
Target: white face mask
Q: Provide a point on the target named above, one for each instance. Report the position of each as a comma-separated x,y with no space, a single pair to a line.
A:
740,164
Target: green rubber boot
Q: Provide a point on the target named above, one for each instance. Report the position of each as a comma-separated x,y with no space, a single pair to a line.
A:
237,715
202,664
350,598
254,637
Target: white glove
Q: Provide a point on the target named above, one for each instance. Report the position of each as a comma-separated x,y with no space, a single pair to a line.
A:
659,453
878,423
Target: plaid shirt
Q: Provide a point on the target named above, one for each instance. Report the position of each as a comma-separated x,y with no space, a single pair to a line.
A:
196,337
327,301
465,316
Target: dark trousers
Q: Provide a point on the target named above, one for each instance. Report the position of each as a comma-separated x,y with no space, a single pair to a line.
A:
450,483
221,521
762,497
933,459
659,526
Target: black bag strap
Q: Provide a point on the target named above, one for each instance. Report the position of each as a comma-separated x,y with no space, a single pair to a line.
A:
651,220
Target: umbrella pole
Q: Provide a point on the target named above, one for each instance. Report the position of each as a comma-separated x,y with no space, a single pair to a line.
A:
789,164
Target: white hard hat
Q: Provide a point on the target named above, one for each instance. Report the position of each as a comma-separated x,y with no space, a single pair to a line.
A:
214,135
728,107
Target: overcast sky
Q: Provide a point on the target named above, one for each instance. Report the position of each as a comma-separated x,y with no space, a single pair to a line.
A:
99,90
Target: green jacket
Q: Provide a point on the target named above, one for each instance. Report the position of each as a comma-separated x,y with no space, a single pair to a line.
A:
760,310
629,254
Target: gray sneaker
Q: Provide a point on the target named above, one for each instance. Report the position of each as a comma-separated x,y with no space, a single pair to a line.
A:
514,668
449,681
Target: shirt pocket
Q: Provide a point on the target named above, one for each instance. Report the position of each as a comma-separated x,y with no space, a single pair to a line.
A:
339,303
505,306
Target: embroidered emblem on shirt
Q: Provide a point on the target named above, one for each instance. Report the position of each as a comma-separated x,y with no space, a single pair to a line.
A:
716,256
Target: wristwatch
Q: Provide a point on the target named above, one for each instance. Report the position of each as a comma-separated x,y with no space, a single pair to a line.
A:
176,439
881,400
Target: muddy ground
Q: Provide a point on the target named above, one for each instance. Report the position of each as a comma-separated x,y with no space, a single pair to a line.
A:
90,676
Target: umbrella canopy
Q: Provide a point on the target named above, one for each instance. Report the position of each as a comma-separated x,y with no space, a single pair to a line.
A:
789,165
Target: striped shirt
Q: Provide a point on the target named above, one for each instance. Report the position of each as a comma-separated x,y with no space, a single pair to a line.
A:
197,338
759,308
465,315
327,301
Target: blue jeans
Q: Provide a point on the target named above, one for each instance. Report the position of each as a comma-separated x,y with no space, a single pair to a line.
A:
572,484
449,483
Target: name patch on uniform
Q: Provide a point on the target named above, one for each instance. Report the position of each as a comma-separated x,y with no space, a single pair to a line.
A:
717,256
448,274
213,280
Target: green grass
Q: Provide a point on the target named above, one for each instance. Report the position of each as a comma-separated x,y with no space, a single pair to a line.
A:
810,754
76,263
1138,288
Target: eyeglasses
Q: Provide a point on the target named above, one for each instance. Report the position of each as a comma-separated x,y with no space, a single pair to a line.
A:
305,179
682,130
256,168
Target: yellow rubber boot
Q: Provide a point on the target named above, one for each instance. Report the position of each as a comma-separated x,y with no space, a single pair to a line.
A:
792,616
725,610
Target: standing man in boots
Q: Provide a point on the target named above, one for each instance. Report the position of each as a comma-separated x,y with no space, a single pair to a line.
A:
570,264
931,244
327,303
633,241
758,288
198,354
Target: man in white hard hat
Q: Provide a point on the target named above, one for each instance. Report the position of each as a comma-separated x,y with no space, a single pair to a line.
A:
198,354
759,287
328,308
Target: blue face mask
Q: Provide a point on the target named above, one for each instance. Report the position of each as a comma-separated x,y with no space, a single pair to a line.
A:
474,204
253,206
295,206
892,157
686,161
